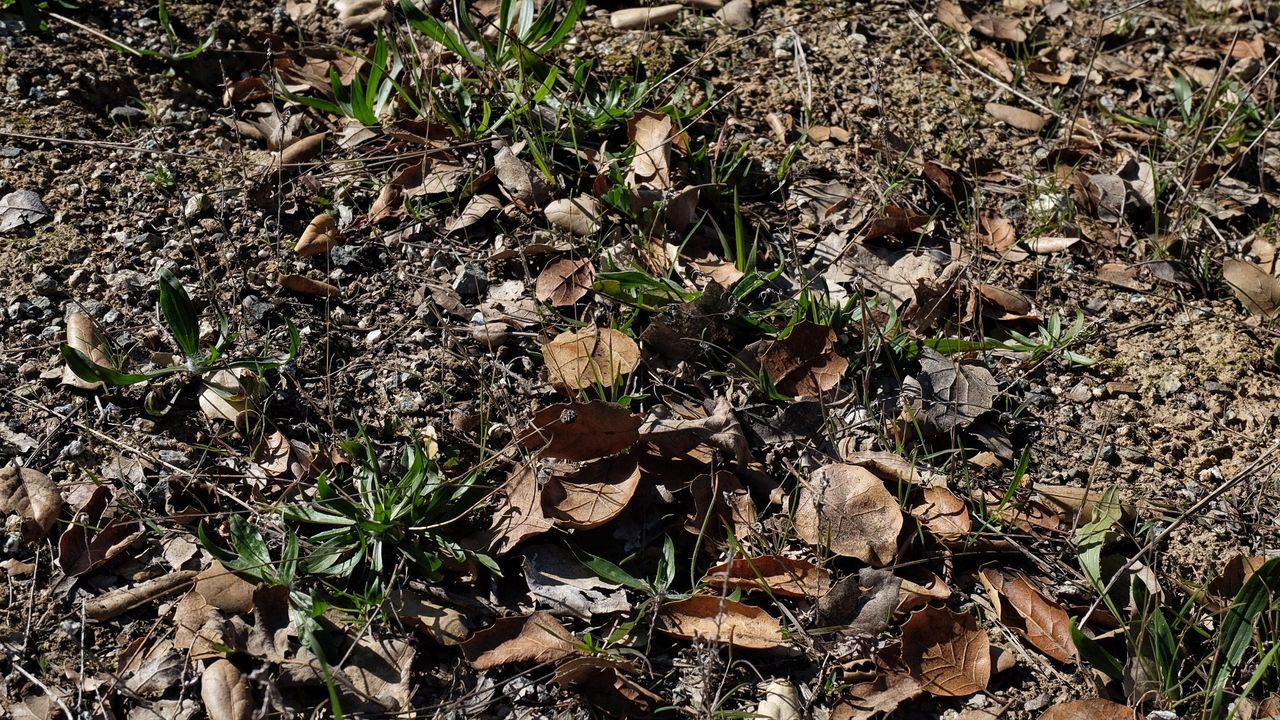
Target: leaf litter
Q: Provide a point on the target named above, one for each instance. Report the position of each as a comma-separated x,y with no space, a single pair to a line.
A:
712,436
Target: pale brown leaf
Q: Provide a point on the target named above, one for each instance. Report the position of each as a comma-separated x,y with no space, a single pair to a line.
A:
582,358
1091,709
847,509
226,692
320,235
720,620
1017,117
1256,289
578,215
994,61
947,652
535,638
83,336
517,513
950,14
306,286
999,27
877,698
943,513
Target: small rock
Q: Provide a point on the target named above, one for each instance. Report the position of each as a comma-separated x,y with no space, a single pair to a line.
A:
471,280
21,208
127,115
736,14
45,284
1080,393
196,204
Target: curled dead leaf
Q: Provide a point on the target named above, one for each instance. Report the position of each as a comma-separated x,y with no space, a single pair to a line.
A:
847,509
301,151
582,358
947,652
1017,117
942,512
1256,289
517,512
319,237
83,336
643,18
720,620
306,286
94,538
805,362
999,27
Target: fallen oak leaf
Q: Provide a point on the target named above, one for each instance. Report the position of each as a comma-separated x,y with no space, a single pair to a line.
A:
1090,709
1016,117
306,286
83,336
848,510
783,576
320,235
593,495
805,362
226,692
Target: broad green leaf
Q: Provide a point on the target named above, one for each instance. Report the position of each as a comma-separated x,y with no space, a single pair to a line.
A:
179,313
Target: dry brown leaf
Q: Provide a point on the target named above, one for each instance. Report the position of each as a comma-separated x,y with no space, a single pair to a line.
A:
895,221
89,542
847,509
943,513
590,356
226,692
1091,709
784,576
225,590
877,698
479,207
360,15
999,27
320,235
952,15
517,513
805,362
443,624
947,652
520,181
892,466
721,620
1223,588
306,286
995,61
720,504
604,683
1050,245
121,600
953,394
565,282
998,234
948,181
1012,305
918,588
593,495
579,215
229,395
1022,606
535,638
1016,117
32,497
581,431
724,273
1256,289
83,336
302,150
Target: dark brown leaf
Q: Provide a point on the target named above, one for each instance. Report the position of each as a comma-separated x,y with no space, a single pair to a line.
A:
581,431
1023,607
805,362
565,282
947,652
720,620
593,494
535,638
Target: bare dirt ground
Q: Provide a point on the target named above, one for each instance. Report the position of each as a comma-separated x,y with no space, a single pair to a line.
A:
799,359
